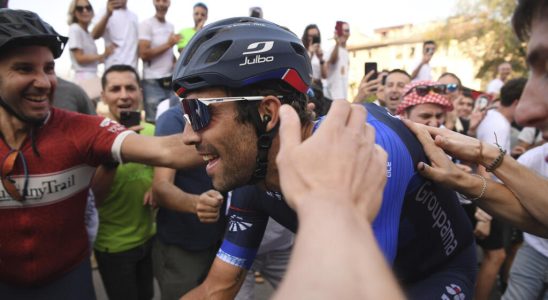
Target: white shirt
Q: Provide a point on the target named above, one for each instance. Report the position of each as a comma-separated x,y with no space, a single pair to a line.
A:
337,76
534,159
424,72
82,40
494,86
527,135
122,30
157,33
495,123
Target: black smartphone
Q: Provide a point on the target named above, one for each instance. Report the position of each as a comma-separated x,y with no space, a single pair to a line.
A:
371,66
130,118
316,39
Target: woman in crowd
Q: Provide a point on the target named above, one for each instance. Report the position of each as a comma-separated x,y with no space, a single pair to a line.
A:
312,42
83,51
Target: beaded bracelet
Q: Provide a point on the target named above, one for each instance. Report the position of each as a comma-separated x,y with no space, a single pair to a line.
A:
498,161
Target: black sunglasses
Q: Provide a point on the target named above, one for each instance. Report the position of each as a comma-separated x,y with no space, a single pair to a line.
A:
423,90
197,112
80,8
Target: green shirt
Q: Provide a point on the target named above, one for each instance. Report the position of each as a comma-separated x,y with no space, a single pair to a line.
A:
124,223
186,35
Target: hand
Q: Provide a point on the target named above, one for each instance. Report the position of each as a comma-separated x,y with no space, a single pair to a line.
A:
367,88
482,230
441,168
475,119
313,168
482,216
174,39
426,57
319,52
517,151
148,199
200,24
108,50
208,206
112,5
455,144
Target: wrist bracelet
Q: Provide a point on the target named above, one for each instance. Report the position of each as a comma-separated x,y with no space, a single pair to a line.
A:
498,161
483,188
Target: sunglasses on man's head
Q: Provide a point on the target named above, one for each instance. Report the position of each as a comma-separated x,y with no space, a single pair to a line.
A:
8,164
80,8
452,87
197,112
423,90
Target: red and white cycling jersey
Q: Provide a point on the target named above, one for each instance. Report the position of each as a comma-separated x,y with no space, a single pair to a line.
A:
44,236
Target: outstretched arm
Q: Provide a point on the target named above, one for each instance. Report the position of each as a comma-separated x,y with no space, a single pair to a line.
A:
223,282
521,200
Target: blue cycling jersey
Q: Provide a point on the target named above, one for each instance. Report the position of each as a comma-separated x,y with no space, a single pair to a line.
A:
421,227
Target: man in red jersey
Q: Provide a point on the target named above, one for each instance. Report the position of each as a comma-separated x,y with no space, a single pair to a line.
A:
47,159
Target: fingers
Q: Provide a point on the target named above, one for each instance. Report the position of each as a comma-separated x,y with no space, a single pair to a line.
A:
357,117
336,118
290,128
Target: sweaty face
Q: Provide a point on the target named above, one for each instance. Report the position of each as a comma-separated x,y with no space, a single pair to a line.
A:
427,113
228,146
393,90
532,109
27,81
122,92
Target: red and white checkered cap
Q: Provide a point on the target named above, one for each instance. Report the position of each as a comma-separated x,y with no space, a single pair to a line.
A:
413,98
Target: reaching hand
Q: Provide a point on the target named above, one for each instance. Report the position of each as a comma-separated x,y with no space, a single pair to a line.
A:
368,88
340,160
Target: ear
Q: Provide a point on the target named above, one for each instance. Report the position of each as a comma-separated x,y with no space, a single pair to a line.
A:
268,110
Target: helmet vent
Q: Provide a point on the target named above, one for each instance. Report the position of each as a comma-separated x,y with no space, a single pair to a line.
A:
298,48
196,45
194,80
218,51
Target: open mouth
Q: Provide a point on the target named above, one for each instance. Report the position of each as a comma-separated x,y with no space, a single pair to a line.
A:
36,99
211,160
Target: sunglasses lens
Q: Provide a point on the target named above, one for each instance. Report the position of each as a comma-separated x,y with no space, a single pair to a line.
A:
439,89
451,87
197,112
422,90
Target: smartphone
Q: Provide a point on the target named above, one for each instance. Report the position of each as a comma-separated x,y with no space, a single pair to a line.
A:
481,103
339,28
316,39
371,66
130,118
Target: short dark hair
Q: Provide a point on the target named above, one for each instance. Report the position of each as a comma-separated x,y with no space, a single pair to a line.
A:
119,68
429,42
511,91
452,75
200,4
400,71
525,12
247,109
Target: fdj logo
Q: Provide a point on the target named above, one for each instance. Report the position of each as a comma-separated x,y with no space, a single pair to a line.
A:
256,48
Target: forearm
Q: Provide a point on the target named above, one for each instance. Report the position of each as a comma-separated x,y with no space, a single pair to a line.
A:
357,268
170,196
84,59
165,151
501,203
99,28
415,72
223,282
150,53
530,188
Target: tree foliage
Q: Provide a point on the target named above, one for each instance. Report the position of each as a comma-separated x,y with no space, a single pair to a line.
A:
483,28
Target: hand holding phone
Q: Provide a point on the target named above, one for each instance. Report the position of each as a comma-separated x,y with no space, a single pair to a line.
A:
316,39
371,66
